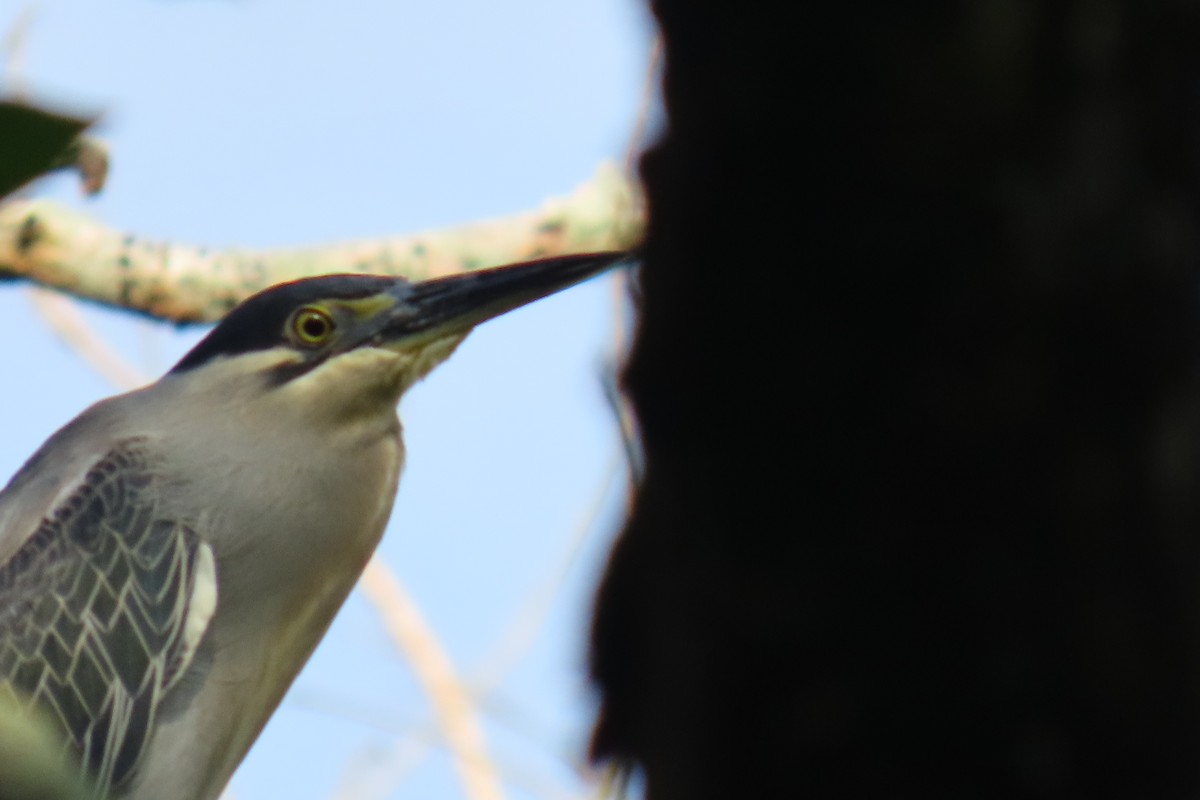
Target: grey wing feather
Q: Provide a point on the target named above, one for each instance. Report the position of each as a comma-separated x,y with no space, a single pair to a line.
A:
101,610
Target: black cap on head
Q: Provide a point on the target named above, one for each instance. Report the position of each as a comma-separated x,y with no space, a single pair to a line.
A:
258,322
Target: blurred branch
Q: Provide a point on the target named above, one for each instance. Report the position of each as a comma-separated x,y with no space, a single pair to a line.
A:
62,316
451,702
637,138
54,246
15,39
624,284
419,738
612,783
523,626
373,775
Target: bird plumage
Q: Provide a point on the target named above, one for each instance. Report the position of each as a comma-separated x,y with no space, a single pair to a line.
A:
170,559
277,573
102,609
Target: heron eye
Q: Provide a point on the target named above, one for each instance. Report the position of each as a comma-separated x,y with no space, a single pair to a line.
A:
312,326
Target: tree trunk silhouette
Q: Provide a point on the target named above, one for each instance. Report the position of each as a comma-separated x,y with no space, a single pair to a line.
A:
917,380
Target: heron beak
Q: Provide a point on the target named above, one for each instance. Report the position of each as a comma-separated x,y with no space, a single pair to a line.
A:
455,304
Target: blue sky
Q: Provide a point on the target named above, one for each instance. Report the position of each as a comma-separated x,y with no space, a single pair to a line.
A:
265,123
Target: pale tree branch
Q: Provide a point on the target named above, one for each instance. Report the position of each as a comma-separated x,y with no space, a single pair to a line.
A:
459,723
484,679
527,620
66,250
63,317
525,623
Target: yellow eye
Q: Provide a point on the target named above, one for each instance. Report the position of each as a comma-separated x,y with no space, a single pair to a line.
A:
312,326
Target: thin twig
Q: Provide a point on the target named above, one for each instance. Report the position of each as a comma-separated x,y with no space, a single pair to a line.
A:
637,136
451,702
524,625
512,643
621,285
15,41
62,315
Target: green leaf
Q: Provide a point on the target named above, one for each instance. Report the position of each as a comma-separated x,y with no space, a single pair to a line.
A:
32,142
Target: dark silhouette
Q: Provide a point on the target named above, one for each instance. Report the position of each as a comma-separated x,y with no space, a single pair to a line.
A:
917,379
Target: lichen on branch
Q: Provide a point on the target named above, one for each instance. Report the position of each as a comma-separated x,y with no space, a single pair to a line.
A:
57,247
